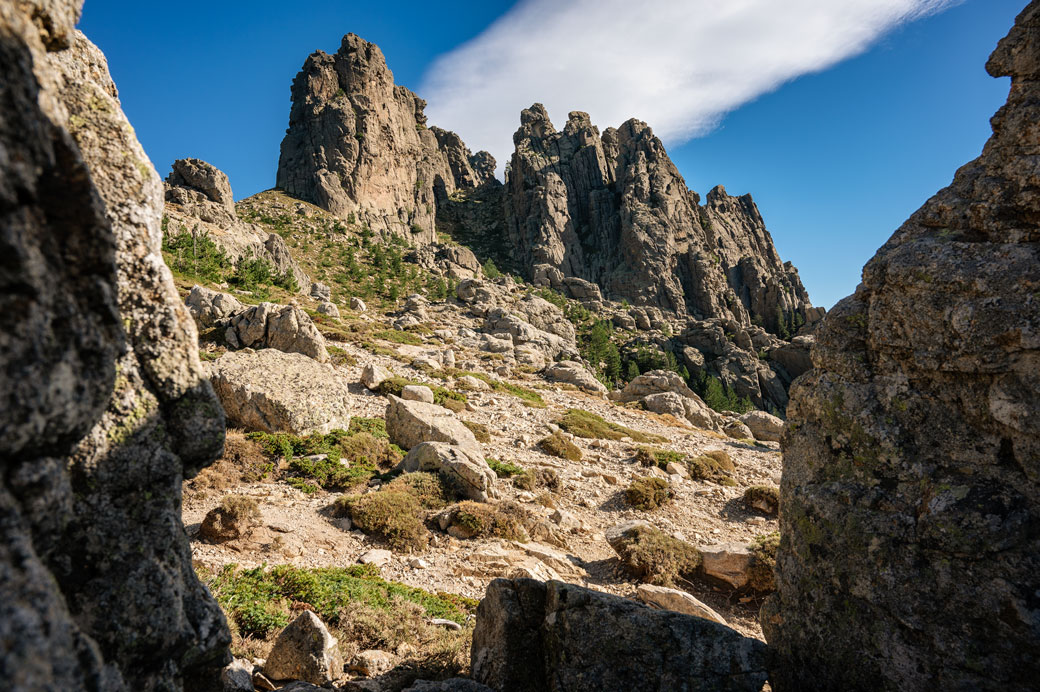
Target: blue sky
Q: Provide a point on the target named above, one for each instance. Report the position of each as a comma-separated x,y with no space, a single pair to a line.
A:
838,135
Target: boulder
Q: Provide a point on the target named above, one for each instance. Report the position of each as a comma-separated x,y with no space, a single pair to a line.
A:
283,327
328,308
305,650
729,562
763,426
237,676
574,373
410,423
679,601
210,308
655,382
272,391
737,430
693,410
417,392
474,384
371,662
373,375
910,498
357,305
376,556
320,291
462,467
104,406
533,635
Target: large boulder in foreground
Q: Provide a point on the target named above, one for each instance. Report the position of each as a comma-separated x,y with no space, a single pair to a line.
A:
910,499
409,423
273,391
533,636
104,410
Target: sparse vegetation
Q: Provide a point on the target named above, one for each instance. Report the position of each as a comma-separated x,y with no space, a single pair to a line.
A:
394,385
714,466
532,479
479,430
315,460
649,492
762,498
649,456
482,520
657,558
588,425
396,515
763,561
504,469
559,446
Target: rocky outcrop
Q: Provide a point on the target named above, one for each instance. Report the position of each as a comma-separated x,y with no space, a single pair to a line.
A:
104,410
534,636
273,391
199,200
612,211
284,327
910,499
410,423
358,146
462,467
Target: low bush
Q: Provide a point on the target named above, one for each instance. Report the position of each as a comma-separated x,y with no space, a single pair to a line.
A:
763,562
479,430
428,488
714,466
504,469
657,558
395,515
763,498
367,455
649,493
482,520
648,456
589,425
559,446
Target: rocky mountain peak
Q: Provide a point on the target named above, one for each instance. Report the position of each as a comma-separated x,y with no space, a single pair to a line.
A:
198,176
358,146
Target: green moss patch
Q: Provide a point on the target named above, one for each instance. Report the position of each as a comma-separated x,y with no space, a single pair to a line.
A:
589,425
559,446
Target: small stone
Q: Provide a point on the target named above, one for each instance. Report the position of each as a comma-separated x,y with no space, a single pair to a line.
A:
237,676
357,305
449,624
371,662
377,557
374,375
417,392
418,563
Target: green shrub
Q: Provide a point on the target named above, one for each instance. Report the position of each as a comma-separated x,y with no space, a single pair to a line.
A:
596,347
648,493
428,488
194,255
532,479
657,558
258,600
648,456
589,425
504,469
376,427
367,455
441,396
490,270
396,515
482,520
558,446
761,575
714,466
717,397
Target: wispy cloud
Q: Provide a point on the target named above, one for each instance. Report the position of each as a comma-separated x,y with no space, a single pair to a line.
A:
680,65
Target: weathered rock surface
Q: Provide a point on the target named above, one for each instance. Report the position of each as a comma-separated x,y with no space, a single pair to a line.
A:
763,426
274,391
662,391
199,200
463,468
574,373
728,562
105,410
305,650
209,308
283,327
373,375
909,555
358,146
533,635
673,599
410,423
612,212
452,685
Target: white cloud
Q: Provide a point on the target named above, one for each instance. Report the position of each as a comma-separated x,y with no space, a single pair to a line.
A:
679,65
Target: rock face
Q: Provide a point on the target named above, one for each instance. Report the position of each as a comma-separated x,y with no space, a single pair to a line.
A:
199,200
358,146
532,636
614,211
273,391
910,555
104,410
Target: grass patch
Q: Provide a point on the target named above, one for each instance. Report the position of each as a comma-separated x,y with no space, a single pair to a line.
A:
504,469
528,396
559,446
657,558
243,461
258,600
589,425
338,356
481,520
648,493
763,561
394,385
366,454
714,466
479,430
398,337
395,515
649,456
